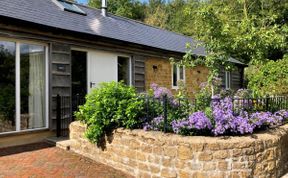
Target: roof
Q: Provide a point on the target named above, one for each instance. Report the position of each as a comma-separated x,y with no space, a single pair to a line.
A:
47,13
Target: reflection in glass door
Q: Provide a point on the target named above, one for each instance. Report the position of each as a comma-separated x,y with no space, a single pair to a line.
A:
23,87
7,86
32,75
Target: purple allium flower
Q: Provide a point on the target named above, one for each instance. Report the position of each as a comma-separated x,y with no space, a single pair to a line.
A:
154,86
159,92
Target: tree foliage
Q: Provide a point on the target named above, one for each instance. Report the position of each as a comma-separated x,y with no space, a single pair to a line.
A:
252,31
270,78
133,9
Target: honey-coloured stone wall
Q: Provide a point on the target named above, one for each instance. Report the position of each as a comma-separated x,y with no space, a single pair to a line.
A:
159,71
156,154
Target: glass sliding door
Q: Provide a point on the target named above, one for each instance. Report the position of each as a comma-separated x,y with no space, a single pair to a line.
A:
23,86
32,82
7,86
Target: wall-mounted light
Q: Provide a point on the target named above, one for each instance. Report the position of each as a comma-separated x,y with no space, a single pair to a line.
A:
155,68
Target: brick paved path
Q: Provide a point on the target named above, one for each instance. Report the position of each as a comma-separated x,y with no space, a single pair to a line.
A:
43,160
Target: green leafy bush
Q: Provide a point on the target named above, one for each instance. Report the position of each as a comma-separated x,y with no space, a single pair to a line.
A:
110,106
270,78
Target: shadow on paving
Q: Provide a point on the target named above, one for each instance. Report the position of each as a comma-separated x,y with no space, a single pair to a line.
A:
23,148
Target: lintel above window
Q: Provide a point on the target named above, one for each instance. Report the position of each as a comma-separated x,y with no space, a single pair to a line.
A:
69,6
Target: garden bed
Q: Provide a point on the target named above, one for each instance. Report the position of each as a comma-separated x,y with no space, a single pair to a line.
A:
158,154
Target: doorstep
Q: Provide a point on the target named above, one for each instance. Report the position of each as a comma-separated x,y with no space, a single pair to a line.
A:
25,138
61,142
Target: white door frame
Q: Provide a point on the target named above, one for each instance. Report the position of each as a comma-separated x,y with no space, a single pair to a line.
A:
88,62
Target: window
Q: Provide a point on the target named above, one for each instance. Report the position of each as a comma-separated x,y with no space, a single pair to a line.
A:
70,7
7,86
23,86
227,79
124,70
32,79
178,74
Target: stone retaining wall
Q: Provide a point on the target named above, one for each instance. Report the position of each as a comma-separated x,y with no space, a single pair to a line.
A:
155,154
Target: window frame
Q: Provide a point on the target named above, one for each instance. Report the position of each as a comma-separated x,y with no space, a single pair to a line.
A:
60,4
177,75
18,42
129,58
227,79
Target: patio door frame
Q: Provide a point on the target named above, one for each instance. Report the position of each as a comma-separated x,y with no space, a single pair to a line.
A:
18,84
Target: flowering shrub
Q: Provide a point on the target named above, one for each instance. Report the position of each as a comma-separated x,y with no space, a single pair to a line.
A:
283,113
195,123
156,124
114,105
227,123
219,119
159,92
178,106
265,119
223,115
241,124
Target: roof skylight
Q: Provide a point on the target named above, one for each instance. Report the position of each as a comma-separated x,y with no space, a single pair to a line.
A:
70,7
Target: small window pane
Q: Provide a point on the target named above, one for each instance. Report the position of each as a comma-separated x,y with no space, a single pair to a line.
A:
124,70
181,70
174,75
227,80
71,7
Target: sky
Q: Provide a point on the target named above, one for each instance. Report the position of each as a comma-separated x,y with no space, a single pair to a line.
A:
85,1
